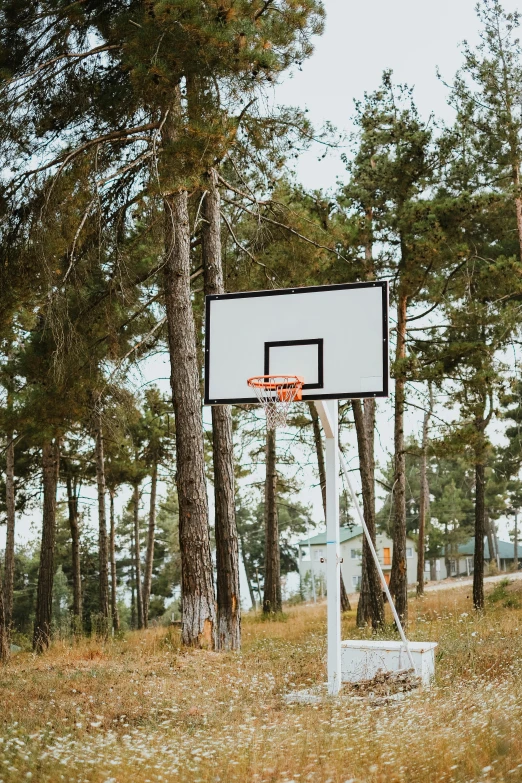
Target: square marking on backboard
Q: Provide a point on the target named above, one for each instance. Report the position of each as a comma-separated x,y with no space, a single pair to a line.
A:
296,357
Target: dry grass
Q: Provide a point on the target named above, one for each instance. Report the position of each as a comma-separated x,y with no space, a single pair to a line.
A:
142,710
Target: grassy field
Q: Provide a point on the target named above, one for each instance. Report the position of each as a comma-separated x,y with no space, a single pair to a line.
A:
140,709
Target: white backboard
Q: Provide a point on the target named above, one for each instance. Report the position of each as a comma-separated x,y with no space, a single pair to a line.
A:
335,336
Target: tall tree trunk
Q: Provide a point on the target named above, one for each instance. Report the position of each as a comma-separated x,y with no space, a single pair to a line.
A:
319,451
518,204
424,498
228,635
149,558
133,592
248,574
345,601
495,539
272,602
112,555
10,533
491,541
137,555
478,560
446,550
399,573
103,546
44,593
198,621
260,600
515,543
371,605
318,441
72,503
4,636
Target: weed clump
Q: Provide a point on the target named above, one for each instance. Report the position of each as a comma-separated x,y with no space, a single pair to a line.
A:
501,593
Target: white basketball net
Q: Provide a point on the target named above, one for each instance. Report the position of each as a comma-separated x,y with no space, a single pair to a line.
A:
276,393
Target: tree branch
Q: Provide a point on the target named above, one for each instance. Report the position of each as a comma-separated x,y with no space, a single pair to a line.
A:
244,249
288,228
70,55
262,10
66,157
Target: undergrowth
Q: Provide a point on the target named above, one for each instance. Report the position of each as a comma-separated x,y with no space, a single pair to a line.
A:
142,709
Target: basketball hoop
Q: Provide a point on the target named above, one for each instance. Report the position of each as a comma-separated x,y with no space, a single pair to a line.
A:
276,393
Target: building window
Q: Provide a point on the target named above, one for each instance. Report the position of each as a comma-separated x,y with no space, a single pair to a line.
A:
305,553
318,554
453,567
409,551
427,566
386,555
355,553
356,581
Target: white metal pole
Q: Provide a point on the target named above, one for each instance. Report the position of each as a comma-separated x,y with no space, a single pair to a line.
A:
333,564
376,559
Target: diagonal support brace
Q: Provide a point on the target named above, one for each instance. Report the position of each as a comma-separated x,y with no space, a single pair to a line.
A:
376,559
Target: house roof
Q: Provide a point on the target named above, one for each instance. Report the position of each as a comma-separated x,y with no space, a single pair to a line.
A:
506,550
346,533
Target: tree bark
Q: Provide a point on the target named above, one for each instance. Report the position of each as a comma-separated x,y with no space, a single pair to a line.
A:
198,620
478,560
133,593
345,601
72,503
399,574
228,635
495,538
491,541
149,557
515,542
10,533
318,441
103,547
112,555
272,602
4,636
371,605
137,554
446,550
44,593
424,498
249,575
518,203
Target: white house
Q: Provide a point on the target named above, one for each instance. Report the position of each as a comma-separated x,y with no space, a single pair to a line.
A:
312,554
461,561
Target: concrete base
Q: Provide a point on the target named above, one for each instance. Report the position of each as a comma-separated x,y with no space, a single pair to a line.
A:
361,659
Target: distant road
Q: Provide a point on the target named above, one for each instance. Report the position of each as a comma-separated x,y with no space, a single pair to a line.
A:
451,584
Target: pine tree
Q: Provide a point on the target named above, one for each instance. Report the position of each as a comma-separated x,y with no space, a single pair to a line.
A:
157,435
487,96
228,636
397,170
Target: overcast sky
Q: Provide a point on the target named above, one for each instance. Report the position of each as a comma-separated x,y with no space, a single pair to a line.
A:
361,39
